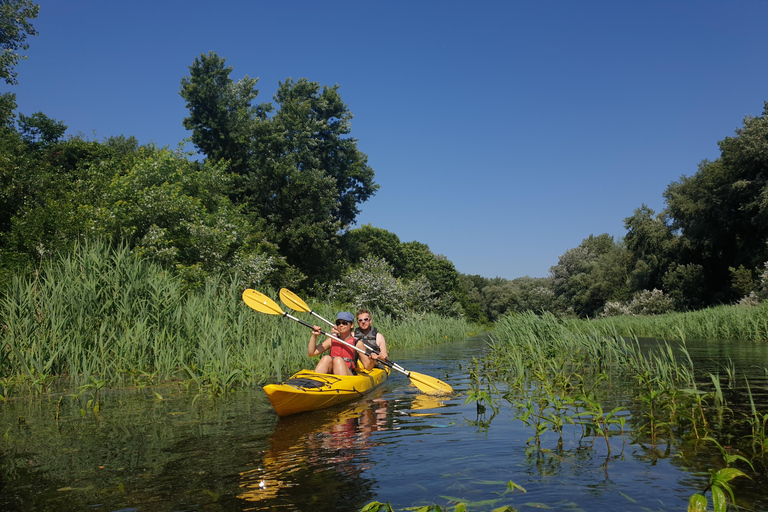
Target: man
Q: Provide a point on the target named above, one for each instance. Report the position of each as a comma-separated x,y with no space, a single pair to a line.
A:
370,338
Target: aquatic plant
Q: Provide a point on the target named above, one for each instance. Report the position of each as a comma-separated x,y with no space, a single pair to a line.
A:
460,505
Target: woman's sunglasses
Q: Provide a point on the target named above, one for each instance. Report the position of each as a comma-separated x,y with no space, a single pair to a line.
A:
343,322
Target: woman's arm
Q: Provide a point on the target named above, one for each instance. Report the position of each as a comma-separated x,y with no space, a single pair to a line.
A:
313,349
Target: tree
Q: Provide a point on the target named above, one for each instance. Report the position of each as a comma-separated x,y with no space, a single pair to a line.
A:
588,276
653,246
371,284
368,240
419,260
722,210
15,26
40,130
300,171
222,118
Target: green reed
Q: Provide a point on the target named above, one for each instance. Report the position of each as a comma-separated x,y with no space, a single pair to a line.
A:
552,369
735,322
104,313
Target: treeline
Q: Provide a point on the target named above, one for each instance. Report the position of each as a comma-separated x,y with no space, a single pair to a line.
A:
709,246
280,185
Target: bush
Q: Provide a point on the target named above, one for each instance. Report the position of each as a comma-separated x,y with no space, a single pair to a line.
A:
644,302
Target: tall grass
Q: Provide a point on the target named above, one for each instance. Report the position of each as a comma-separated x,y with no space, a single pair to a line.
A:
103,314
735,322
546,362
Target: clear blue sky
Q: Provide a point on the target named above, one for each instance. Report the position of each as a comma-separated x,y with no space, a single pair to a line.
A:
502,133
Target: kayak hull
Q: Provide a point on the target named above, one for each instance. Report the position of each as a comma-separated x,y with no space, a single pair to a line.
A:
310,391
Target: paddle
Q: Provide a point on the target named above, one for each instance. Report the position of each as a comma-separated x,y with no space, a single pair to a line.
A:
425,383
262,303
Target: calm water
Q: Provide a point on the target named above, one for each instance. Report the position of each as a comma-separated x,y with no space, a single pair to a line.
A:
397,445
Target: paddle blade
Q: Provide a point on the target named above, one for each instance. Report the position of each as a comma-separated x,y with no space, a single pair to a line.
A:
260,302
429,385
293,301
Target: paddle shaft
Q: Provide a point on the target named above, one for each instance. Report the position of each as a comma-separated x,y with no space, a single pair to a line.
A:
385,362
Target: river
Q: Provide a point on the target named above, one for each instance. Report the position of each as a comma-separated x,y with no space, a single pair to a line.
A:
161,450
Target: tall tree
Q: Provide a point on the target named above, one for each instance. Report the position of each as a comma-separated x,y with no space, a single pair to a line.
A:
302,173
722,210
653,245
588,276
15,26
313,124
222,116
368,240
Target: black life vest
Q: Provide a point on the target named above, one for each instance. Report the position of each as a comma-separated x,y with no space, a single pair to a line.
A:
369,340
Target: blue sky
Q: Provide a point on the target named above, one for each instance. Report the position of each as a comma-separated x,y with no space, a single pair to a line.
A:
502,133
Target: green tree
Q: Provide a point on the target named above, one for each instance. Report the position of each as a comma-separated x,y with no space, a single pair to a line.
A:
368,240
302,173
15,26
314,124
722,211
40,130
685,284
653,246
419,260
371,284
588,276
222,118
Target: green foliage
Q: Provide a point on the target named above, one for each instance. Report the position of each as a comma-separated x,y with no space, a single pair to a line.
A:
221,116
721,210
39,129
298,169
719,486
368,240
591,274
15,26
685,284
742,282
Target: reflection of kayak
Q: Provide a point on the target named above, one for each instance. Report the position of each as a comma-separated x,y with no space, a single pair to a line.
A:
310,391
301,448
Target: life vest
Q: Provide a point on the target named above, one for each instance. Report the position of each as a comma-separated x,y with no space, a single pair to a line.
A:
348,354
369,340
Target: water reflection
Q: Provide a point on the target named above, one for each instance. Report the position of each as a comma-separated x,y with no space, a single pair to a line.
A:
309,452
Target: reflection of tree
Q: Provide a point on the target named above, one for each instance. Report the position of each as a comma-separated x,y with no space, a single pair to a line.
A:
317,461
137,450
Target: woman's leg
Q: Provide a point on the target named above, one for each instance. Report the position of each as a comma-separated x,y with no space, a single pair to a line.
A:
340,367
325,365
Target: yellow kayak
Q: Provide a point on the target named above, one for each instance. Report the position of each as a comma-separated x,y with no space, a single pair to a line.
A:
310,391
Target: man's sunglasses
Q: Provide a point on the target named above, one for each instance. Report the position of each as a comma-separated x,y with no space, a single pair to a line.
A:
363,319
343,322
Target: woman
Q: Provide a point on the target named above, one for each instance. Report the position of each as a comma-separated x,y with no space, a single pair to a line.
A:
342,359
